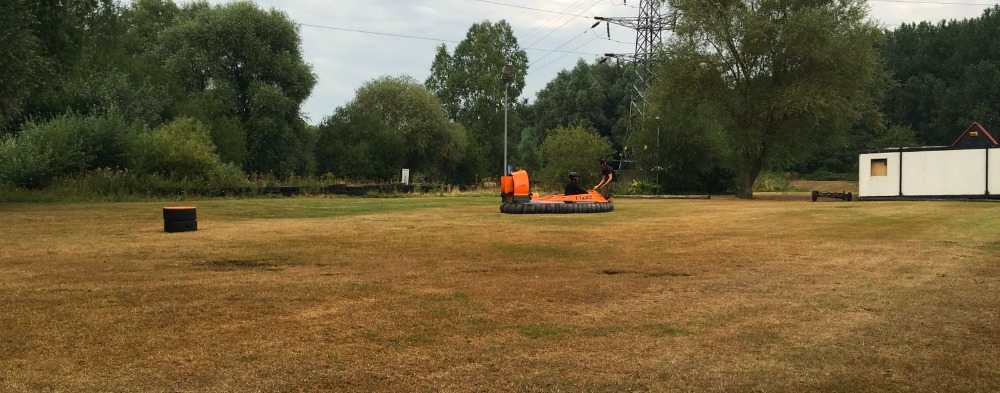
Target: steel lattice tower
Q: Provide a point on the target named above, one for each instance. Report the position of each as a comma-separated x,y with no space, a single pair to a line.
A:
649,26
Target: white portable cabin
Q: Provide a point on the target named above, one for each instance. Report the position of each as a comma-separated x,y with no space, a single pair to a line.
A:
968,169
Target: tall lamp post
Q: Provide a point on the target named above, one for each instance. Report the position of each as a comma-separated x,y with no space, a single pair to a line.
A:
506,77
659,166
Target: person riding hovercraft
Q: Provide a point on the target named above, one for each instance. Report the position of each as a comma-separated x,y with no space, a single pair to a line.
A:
573,186
517,198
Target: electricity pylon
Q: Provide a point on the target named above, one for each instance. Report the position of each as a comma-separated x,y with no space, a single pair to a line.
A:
652,21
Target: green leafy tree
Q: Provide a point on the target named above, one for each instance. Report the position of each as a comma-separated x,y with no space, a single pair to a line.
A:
39,154
180,149
527,152
895,136
102,66
147,19
277,141
592,95
22,63
354,144
683,149
64,27
65,145
227,130
47,41
250,61
946,76
134,99
775,75
468,84
572,149
393,123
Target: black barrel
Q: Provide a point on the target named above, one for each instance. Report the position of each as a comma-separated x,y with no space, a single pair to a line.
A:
180,219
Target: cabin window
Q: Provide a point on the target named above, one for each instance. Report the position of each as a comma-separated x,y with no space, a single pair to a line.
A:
880,167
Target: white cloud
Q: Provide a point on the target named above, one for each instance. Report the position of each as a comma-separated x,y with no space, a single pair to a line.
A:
344,60
893,14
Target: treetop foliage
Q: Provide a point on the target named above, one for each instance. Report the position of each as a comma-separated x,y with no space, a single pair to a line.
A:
393,123
592,95
468,83
573,149
775,75
948,75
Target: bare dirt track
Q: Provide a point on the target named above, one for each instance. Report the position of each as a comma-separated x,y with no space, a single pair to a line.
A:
447,294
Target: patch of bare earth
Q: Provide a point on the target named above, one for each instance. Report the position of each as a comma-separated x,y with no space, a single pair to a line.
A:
450,295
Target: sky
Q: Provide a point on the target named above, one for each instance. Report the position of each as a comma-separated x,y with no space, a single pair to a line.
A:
350,42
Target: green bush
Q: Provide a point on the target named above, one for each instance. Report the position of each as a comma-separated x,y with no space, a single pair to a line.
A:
773,182
27,165
639,187
180,149
102,139
227,175
572,149
39,154
823,175
65,145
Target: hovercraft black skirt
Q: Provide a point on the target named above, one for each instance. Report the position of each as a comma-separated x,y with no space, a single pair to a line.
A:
556,208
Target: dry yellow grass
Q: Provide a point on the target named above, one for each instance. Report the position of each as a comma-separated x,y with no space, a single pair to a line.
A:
447,294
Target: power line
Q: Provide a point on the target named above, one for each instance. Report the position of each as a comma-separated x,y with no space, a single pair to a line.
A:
426,38
608,37
564,24
538,29
564,55
581,15
380,33
560,47
528,8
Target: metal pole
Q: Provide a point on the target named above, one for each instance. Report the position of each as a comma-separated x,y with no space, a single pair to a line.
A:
659,165
657,140
505,105
506,77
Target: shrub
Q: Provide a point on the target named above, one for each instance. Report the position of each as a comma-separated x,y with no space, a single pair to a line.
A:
23,164
823,175
41,153
773,182
102,139
576,149
227,175
639,187
65,145
181,149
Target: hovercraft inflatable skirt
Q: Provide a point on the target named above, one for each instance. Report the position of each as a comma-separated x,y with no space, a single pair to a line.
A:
556,208
517,198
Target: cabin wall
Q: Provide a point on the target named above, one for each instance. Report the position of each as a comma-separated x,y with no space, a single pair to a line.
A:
994,166
869,185
944,172
931,173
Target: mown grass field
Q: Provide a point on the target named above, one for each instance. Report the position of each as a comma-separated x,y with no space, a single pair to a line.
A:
446,294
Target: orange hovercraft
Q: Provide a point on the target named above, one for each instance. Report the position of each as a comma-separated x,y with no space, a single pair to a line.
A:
517,198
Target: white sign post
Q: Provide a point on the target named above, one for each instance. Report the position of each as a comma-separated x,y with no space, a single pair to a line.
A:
406,176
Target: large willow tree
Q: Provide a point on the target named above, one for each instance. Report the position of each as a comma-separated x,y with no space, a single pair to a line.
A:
237,61
772,75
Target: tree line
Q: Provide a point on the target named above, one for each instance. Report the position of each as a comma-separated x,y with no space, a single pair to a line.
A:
97,84
197,91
